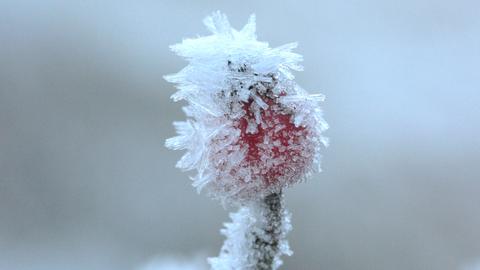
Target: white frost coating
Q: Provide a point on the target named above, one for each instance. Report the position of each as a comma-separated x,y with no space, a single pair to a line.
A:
236,86
239,251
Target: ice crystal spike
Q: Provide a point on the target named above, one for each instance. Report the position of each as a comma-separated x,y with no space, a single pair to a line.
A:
251,130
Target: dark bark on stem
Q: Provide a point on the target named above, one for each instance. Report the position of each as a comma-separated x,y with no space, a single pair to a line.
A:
267,243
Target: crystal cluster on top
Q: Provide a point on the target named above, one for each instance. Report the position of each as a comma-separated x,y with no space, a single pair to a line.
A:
250,129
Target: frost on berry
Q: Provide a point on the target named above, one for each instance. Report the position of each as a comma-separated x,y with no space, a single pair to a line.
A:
251,130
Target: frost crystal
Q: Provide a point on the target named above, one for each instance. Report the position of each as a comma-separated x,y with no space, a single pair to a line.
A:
256,238
251,130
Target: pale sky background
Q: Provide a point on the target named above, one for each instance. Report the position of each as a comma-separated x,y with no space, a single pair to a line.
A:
86,183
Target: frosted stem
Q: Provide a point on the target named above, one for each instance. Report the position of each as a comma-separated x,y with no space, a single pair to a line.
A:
267,242
256,237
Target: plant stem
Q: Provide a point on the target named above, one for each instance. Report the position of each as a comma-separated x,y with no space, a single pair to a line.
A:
267,240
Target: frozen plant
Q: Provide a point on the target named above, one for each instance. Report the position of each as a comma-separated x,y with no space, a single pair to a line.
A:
251,132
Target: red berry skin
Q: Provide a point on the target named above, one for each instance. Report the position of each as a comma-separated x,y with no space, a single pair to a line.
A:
278,139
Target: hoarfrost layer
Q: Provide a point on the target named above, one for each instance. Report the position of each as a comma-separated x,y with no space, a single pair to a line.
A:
251,236
251,130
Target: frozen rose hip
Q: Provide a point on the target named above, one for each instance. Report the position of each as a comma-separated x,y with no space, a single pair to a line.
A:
275,139
251,130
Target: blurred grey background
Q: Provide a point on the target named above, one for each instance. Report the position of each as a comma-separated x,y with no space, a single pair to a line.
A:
86,183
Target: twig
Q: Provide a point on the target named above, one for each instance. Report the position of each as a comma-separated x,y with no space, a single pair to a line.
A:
267,242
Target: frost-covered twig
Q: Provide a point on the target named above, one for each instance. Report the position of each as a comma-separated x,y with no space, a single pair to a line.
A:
267,240
256,237
252,131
